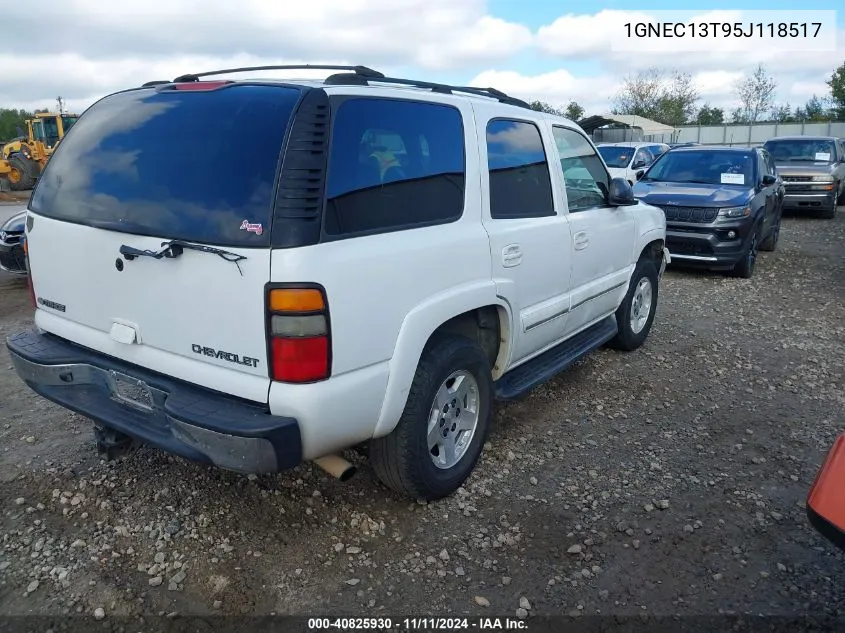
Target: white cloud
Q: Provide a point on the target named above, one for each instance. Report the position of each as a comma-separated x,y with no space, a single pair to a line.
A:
96,48
81,81
585,35
556,88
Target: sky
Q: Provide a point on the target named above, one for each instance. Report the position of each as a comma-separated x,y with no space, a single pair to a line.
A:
549,50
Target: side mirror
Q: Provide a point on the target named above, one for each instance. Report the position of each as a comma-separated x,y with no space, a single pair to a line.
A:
621,194
638,164
769,180
640,174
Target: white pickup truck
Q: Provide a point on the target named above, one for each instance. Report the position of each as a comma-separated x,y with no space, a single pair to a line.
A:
266,272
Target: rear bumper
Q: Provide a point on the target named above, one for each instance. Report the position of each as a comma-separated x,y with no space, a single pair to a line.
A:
12,259
809,201
173,415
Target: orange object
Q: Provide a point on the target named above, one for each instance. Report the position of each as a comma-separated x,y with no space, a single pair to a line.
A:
296,300
826,499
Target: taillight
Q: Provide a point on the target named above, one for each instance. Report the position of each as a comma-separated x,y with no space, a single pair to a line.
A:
298,331
29,285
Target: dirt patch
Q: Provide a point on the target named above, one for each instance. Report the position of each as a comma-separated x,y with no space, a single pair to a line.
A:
666,481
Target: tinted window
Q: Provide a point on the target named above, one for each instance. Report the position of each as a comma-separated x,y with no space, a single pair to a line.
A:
762,167
803,150
192,165
712,167
67,122
394,164
768,166
585,177
520,184
643,157
616,156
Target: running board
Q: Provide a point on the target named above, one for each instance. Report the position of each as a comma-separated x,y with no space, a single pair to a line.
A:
542,368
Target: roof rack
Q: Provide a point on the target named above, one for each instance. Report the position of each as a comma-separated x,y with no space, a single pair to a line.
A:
361,71
363,80
361,76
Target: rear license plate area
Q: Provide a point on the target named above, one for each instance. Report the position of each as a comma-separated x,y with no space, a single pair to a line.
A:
131,392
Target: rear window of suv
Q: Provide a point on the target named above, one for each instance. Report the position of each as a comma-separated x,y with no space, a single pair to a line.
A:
193,165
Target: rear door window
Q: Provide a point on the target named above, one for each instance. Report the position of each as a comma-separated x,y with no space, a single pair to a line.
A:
394,165
193,165
520,182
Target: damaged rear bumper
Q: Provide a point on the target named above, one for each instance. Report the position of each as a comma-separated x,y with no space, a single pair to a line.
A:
178,417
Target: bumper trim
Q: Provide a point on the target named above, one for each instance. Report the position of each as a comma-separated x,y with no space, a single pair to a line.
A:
172,415
696,258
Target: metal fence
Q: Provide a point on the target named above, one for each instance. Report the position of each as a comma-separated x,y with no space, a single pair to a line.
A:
745,135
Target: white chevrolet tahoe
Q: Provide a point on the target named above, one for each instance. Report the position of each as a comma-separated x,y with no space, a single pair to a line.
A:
256,273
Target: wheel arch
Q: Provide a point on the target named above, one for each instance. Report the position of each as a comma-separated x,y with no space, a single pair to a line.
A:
479,315
653,250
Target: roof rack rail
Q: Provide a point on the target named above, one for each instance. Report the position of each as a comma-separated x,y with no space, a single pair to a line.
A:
155,82
362,71
363,80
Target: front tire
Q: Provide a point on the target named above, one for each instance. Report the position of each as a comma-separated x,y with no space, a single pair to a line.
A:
439,438
745,267
829,214
636,313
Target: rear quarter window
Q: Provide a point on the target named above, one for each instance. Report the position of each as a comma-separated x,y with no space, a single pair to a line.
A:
193,165
393,165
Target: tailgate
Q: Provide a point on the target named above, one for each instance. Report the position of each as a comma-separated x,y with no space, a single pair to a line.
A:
141,170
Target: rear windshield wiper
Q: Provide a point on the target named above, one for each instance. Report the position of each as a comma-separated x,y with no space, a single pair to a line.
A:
174,248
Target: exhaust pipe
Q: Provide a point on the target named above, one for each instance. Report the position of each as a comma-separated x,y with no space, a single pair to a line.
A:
337,466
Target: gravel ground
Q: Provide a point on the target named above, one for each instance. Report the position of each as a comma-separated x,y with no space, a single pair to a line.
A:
668,481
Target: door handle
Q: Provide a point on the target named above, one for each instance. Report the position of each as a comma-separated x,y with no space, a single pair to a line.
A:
511,255
580,239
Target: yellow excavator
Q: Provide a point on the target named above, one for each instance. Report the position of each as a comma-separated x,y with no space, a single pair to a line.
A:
23,159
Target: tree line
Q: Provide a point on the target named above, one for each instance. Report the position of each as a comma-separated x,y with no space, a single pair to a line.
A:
13,122
672,98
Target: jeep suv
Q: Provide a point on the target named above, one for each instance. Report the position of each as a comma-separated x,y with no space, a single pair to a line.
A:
256,273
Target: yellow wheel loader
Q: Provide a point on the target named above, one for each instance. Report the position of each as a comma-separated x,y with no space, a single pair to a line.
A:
23,159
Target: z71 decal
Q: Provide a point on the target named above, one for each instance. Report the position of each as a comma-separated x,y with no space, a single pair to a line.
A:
227,356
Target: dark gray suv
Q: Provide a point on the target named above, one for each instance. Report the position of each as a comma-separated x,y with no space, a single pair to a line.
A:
813,172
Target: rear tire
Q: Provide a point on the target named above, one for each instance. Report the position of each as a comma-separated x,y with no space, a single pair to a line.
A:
636,313
771,242
428,456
